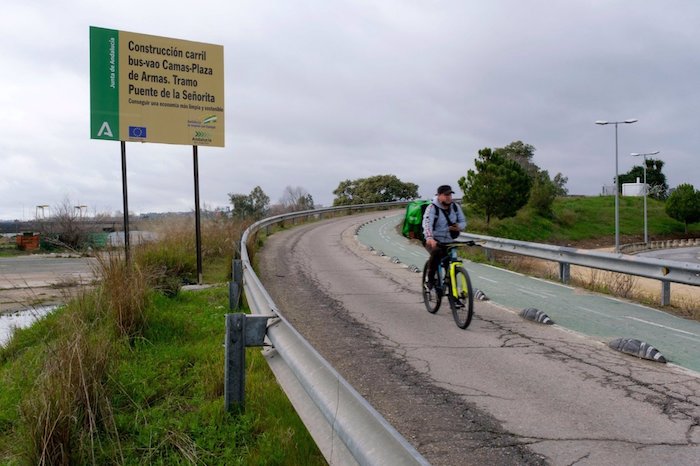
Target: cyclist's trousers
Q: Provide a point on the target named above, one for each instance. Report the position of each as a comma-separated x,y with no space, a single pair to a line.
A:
436,255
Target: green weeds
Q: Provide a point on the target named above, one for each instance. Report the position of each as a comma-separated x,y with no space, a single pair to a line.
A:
125,374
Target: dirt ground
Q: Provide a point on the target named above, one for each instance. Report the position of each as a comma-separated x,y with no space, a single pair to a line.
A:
20,298
42,281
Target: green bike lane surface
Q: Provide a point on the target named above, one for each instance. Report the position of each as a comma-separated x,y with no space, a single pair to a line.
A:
592,314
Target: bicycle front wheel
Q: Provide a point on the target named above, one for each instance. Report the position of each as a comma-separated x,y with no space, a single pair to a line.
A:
461,298
432,296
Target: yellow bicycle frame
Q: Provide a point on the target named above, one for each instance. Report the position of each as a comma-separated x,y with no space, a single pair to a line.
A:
453,279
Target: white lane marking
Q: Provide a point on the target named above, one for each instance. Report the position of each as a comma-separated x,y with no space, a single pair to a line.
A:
662,326
499,270
523,290
688,338
599,313
488,279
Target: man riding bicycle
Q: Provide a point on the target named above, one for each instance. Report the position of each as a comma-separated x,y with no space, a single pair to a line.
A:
442,222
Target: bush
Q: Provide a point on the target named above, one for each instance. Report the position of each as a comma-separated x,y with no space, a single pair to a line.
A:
167,267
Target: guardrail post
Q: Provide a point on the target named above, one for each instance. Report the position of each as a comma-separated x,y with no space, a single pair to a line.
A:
665,292
234,369
242,330
564,272
235,286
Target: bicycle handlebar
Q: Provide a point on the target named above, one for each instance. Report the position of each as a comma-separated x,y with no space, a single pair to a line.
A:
456,244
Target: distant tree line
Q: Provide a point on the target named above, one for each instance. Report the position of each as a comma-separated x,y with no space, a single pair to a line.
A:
503,181
256,205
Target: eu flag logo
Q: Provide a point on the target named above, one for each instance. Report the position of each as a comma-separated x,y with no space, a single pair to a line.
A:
137,131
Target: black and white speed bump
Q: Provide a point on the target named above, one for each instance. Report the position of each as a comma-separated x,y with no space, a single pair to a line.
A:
637,348
536,315
479,295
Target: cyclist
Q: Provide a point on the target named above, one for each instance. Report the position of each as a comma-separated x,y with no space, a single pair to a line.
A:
442,222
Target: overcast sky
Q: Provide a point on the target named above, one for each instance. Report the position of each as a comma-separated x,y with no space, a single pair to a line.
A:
320,91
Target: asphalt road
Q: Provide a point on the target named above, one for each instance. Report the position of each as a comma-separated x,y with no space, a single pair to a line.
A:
504,391
596,315
24,280
43,270
691,255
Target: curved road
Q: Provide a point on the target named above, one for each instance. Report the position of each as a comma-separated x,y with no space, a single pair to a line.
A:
603,317
505,391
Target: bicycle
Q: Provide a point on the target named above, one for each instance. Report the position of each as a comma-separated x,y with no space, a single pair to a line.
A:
452,281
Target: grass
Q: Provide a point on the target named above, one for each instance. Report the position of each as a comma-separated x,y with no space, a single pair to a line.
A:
10,249
156,399
586,219
589,223
124,374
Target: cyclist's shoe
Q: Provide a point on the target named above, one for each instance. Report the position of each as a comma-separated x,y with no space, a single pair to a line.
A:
429,284
458,304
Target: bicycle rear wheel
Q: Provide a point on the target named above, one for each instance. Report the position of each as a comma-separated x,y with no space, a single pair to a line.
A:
432,297
461,298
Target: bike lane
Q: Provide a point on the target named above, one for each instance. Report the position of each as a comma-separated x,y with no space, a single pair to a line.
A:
592,314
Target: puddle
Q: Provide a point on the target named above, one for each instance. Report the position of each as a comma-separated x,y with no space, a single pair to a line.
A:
20,319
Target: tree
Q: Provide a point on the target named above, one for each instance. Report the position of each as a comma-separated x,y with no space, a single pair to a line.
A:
560,184
684,204
254,205
65,227
296,199
543,193
545,190
499,186
378,188
522,154
658,189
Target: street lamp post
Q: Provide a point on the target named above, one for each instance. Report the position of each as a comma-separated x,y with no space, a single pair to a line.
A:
80,208
635,154
43,212
617,187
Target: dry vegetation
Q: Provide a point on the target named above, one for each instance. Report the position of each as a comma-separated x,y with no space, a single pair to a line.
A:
125,375
685,299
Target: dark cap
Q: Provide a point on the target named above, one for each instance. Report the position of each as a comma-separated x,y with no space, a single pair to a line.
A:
445,189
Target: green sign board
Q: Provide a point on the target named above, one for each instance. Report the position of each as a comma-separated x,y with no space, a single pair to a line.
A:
155,89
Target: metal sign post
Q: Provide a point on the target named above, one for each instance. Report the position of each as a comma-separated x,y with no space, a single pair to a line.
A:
126,206
198,226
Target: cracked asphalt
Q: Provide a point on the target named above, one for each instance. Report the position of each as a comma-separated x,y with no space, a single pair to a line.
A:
504,391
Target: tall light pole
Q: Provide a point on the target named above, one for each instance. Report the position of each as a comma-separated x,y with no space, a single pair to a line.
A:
80,208
635,154
43,212
617,188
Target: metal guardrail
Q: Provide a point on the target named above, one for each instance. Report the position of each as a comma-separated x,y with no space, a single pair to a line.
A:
662,270
346,428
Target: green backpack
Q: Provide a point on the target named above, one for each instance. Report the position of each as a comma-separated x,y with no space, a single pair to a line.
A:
413,221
